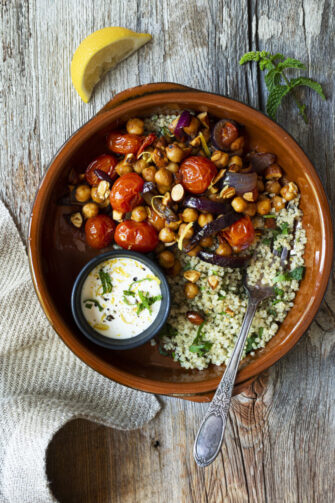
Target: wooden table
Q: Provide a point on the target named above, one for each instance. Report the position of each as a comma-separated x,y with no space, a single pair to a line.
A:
279,442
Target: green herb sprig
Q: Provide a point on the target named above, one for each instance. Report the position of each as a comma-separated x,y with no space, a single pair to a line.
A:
90,302
199,345
277,82
297,273
106,282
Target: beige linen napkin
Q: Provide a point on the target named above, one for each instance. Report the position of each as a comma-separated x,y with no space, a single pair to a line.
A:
42,383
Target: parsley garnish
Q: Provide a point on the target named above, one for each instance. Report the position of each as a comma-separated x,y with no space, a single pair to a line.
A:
91,302
267,241
199,345
278,84
146,301
106,282
273,312
221,297
249,343
297,273
279,294
284,228
260,332
128,293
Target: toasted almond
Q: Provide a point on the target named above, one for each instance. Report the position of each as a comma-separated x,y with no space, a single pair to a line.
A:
177,192
192,275
213,282
227,192
230,312
117,215
76,219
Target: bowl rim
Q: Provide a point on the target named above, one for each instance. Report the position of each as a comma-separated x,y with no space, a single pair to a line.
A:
160,98
131,342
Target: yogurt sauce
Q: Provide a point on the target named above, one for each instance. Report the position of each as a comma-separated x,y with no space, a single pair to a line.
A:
121,298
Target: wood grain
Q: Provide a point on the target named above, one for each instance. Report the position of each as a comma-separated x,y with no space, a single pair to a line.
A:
279,443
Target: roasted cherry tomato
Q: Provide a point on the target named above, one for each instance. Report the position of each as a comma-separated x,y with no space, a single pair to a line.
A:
197,172
224,133
124,143
99,231
148,140
137,236
241,234
125,193
105,163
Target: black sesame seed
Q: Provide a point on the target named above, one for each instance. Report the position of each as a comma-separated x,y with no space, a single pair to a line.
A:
109,317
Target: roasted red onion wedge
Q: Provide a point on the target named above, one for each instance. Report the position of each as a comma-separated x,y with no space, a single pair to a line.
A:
232,261
184,121
205,204
260,160
212,228
242,182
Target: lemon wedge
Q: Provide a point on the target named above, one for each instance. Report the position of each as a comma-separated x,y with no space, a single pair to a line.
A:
99,52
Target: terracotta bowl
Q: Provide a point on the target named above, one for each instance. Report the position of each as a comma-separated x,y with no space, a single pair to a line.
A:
57,253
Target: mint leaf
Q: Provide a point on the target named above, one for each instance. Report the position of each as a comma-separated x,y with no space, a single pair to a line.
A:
106,281
298,273
91,302
199,345
272,79
250,56
275,98
304,81
291,63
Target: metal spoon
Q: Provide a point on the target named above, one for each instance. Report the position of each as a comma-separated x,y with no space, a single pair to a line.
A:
210,435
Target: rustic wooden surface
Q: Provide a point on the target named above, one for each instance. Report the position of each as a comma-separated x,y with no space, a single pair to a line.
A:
279,443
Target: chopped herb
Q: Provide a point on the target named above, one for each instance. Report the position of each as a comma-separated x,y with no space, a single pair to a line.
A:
260,332
139,281
284,228
162,351
168,330
221,297
267,241
146,301
199,345
279,294
173,355
187,266
128,293
223,312
214,273
164,131
298,273
249,343
91,302
279,249
270,216
273,312
282,277
105,281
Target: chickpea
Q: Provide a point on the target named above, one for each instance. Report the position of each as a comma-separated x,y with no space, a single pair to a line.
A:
95,196
191,290
194,252
206,242
174,226
163,189
173,167
83,193
239,204
90,210
278,203
166,259
205,218
188,234
148,173
260,184
159,158
159,248
224,249
264,206
236,159
250,209
220,159
123,169
167,235
289,191
174,152
175,269
190,215
139,166
139,214
193,127
273,187
164,177
135,126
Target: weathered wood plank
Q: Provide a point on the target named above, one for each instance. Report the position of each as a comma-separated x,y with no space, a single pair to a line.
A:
279,443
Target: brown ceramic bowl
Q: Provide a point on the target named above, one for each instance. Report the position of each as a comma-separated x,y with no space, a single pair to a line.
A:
57,253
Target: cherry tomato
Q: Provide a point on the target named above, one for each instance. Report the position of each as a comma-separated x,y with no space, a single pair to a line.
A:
125,193
197,173
124,143
137,236
105,163
241,234
99,231
148,140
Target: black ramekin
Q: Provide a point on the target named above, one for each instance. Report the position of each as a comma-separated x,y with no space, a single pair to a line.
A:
108,342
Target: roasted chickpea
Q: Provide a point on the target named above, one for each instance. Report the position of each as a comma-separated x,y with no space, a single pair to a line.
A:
236,159
260,184
194,252
238,143
273,172
289,191
174,226
173,167
135,126
273,187
264,206
239,204
167,235
82,193
95,196
159,157
90,210
188,234
278,203
139,166
166,259
123,169
224,249
206,242
174,152
193,127
191,290
148,173
190,215
139,213
163,177
220,159
175,269
205,218
250,209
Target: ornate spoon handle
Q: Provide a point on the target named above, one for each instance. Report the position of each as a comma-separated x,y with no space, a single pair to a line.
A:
210,435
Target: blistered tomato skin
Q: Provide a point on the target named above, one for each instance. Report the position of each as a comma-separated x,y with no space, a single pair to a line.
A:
125,193
137,236
99,231
105,163
241,234
197,172
124,143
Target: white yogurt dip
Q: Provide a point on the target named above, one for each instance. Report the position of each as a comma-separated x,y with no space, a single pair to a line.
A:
121,298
